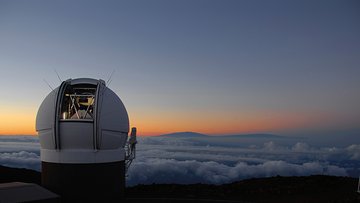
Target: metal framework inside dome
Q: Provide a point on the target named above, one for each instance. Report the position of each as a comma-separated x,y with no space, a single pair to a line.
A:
78,103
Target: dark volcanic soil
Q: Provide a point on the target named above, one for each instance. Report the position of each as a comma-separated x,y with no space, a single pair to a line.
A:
276,189
8,174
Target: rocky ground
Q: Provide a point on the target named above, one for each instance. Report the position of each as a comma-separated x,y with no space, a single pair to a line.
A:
275,189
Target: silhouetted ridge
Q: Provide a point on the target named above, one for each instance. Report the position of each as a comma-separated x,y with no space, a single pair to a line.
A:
184,135
195,135
257,135
8,174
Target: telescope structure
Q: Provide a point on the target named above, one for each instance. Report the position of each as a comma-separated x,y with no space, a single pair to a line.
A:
83,130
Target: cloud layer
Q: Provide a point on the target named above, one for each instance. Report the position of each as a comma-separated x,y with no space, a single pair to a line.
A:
192,171
20,152
175,160
20,159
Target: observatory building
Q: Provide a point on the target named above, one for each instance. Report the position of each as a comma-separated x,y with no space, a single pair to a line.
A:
83,130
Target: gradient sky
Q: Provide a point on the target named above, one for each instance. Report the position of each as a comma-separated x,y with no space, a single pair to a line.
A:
216,67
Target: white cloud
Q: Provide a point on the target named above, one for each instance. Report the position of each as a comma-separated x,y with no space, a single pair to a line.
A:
192,171
19,146
20,159
167,160
301,147
271,146
181,163
354,151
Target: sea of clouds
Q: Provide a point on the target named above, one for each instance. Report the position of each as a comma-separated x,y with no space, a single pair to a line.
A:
206,160
20,152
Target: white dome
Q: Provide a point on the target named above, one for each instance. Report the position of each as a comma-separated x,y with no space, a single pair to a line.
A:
82,121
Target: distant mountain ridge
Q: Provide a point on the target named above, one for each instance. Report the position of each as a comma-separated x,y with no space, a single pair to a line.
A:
195,134
184,135
255,135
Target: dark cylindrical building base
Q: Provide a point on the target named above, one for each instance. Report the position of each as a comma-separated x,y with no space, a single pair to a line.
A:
101,182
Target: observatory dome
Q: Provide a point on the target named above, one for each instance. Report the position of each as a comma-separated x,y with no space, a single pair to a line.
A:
82,121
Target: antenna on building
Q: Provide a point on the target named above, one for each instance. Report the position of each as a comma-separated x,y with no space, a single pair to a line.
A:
48,84
58,75
109,80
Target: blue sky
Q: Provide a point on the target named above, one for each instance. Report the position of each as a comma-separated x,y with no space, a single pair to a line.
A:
209,66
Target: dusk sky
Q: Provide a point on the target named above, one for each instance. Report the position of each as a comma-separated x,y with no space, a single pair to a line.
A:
214,67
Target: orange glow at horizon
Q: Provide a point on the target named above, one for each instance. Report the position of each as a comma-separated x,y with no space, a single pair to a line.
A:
22,122
218,124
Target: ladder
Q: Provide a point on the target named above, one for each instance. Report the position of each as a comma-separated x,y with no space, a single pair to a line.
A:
358,189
